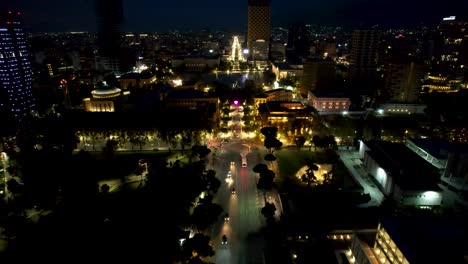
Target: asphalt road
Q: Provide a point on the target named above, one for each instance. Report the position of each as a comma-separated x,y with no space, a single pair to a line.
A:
244,246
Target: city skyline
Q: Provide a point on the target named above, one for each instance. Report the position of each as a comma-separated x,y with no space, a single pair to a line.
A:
79,15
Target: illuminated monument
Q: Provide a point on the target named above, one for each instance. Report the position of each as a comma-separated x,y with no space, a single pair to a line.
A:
236,53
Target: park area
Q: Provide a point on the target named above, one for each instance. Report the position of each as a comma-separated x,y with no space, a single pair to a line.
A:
292,160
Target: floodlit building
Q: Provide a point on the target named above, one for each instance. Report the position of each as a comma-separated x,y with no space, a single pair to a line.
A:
105,98
328,102
401,174
452,162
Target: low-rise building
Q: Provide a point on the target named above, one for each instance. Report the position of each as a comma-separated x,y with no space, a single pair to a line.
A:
329,102
196,64
401,174
135,79
277,112
279,95
194,100
402,240
105,98
402,108
452,162
287,71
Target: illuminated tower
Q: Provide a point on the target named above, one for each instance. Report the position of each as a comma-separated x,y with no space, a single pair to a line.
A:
15,68
258,30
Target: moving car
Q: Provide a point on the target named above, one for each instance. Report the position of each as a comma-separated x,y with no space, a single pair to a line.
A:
233,190
224,240
226,217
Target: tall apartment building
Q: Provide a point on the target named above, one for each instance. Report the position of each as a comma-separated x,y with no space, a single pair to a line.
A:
16,98
258,30
364,58
318,74
110,18
403,80
450,56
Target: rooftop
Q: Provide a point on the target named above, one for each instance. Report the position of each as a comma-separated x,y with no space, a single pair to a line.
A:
277,106
186,94
428,240
438,148
328,94
408,169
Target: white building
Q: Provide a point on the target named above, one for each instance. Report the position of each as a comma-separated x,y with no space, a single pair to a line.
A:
401,174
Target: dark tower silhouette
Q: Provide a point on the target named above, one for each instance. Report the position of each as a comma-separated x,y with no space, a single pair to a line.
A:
110,18
298,43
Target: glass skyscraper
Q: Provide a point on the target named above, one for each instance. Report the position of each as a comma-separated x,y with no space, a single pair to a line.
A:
16,98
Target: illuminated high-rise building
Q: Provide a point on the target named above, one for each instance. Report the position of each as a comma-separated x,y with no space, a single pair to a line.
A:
258,30
450,56
16,98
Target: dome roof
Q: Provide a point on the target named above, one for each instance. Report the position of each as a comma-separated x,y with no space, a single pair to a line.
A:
105,91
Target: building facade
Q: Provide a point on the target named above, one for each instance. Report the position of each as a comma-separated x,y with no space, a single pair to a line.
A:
16,99
258,30
110,18
318,74
403,81
401,174
364,58
450,56
328,102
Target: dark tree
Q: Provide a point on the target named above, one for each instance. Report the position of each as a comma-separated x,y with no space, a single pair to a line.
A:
317,142
13,186
206,214
270,157
272,144
300,141
309,176
269,210
212,183
201,151
196,247
269,131
259,168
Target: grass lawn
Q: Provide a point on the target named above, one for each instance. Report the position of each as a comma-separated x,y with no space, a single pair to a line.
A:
122,163
290,160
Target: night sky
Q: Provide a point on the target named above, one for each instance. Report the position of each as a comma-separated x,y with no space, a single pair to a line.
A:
159,15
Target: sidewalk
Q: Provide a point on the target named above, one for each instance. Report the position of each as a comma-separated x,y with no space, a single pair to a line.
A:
353,164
